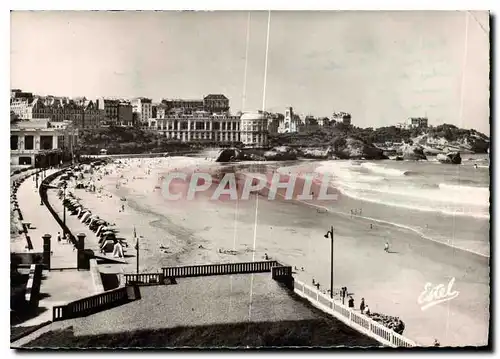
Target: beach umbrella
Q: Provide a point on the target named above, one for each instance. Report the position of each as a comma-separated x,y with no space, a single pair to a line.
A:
107,233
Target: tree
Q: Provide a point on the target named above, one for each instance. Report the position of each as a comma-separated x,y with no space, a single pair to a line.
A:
14,118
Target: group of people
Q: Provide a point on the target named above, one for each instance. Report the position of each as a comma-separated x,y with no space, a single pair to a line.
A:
356,212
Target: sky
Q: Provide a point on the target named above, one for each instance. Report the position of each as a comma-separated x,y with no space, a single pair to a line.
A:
382,67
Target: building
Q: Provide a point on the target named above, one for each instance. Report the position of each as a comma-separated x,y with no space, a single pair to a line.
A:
183,106
144,107
212,103
125,114
254,129
199,126
40,142
417,122
92,116
22,107
216,103
342,117
160,111
109,109
290,122
274,121
18,94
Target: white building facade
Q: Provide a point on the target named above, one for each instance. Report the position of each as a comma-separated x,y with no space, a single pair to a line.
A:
40,137
198,126
254,129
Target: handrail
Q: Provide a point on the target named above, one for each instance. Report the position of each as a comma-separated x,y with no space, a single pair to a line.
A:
90,304
219,269
358,321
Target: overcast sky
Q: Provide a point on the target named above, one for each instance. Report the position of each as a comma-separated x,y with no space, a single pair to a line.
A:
382,67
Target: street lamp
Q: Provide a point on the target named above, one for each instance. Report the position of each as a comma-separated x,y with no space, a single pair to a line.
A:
329,234
64,206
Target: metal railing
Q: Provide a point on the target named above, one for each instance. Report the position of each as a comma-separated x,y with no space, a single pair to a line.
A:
90,304
144,279
219,269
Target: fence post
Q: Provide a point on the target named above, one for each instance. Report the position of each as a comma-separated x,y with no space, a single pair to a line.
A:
317,296
392,338
80,247
46,250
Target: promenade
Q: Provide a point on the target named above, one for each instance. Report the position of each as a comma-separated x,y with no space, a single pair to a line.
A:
63,283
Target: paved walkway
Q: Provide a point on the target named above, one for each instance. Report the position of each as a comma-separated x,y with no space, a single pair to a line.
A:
58,286
41,223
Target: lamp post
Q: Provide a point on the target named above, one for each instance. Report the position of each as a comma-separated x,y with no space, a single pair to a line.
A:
329,234
64,205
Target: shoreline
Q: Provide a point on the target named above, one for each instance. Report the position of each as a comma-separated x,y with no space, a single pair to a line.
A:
288,228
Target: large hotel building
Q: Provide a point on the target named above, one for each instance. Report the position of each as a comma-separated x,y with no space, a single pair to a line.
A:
208,120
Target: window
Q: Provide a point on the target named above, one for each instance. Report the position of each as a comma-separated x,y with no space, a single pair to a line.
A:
46,142
28,142
13,142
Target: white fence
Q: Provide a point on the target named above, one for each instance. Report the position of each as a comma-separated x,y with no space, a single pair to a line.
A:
353,319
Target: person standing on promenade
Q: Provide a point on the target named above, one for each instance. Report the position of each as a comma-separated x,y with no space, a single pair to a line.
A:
351,302
362,305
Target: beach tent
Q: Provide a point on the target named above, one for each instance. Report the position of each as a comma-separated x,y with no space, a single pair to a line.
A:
86,216
94,219
107,246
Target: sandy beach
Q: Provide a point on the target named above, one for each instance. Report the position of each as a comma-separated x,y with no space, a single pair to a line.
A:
192,232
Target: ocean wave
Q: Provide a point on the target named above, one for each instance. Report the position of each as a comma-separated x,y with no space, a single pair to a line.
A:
384,170
392,187
422,207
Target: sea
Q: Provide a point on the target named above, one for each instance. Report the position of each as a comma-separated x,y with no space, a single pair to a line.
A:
441,202
445,203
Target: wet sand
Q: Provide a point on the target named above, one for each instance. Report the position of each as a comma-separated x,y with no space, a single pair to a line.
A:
293,232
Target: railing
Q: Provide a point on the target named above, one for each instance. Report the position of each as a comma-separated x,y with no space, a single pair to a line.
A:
280,272
144,279
92,304
355,320
33,285
44,198
219,269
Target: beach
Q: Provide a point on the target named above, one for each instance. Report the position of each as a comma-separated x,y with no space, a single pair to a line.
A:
207,231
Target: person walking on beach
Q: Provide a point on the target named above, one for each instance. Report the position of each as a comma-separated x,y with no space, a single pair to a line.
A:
362,305
386,247
59,237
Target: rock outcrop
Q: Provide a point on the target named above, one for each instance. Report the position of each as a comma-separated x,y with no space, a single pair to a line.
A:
451,157
412,152
281,153
229,154
353,148
316,153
